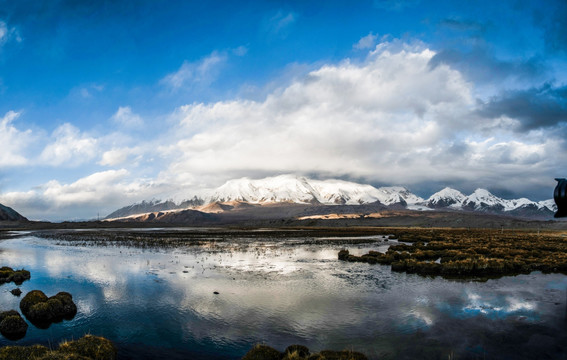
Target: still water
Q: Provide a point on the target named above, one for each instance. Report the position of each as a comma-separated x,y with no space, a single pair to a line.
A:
156,303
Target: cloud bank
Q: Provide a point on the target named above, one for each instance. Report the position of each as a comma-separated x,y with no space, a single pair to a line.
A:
400,116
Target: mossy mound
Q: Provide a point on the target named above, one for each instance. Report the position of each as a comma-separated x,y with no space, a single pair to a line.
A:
338,355
299,352
7,274
23,352
262,352
42,311
88,347
12,325
92,347
296,351
460,253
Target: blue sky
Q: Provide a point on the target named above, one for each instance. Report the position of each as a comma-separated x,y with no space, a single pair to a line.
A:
105,103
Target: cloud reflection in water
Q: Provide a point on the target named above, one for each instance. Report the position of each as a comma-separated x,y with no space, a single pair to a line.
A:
145,299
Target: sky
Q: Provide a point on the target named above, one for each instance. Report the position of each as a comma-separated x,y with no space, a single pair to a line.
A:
107,103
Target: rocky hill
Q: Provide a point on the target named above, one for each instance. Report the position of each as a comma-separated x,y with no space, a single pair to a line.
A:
9,214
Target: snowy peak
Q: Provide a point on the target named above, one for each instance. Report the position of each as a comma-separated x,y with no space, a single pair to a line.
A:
284,188
295,189
482,199
237,193
445,198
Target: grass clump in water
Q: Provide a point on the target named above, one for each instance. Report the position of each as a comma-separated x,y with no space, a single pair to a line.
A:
472,253
7,274
42,311
89,347
12,325
299,352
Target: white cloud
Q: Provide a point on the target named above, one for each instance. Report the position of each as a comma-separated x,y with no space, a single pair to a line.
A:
3,31
119,156
69,148
202,72
391,119
13,141
125,117
282,20
345,119
366,42
103,191
279,24
240,51
8,33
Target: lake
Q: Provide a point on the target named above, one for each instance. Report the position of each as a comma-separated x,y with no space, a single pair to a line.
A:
161,303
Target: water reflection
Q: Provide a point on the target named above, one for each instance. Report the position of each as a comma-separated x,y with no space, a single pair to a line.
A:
157,303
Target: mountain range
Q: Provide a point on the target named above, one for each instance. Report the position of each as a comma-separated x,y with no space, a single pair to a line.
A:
289,189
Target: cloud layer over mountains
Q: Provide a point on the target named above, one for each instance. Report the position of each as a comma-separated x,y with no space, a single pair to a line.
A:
392,118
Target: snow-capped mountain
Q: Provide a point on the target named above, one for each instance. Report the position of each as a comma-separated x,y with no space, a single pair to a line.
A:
483,200
445,198
300,190
155,206
297,189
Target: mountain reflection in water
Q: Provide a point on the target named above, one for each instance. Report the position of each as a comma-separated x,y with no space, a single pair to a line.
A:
161,303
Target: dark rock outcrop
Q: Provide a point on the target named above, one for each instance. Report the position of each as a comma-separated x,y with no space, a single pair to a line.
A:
9,214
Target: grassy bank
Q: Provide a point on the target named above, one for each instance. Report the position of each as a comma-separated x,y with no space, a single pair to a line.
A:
471,252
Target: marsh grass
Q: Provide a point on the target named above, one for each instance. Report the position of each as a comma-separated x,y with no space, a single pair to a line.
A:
470,253
89,347
7,274
299,352
173,239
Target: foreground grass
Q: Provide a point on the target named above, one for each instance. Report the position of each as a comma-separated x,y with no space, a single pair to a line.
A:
468,253
88,347
299,352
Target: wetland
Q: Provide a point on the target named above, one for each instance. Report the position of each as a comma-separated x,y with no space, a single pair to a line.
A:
216,293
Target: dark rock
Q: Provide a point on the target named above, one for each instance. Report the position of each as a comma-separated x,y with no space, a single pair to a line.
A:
12,326
216,292
16,292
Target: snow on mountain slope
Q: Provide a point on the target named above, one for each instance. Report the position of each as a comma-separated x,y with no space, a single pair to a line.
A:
482,199
284,188
547,204
445,198
297,189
